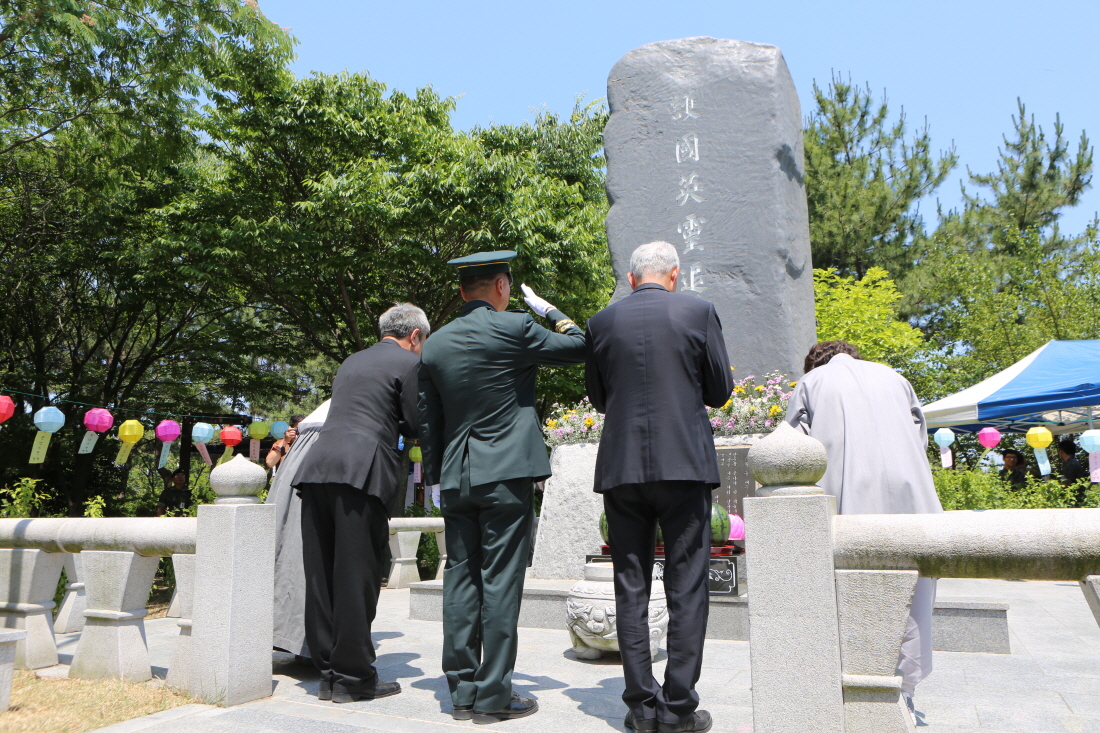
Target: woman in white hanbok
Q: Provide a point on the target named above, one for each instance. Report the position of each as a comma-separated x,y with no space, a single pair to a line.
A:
871,423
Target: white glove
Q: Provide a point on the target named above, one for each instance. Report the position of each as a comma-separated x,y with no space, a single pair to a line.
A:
538,305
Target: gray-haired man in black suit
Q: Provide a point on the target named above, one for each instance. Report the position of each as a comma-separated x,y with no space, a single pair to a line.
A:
656,359
346,481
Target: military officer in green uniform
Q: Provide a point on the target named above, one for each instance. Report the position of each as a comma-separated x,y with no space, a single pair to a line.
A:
481,442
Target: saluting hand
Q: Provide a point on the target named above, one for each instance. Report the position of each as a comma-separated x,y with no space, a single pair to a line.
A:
538,305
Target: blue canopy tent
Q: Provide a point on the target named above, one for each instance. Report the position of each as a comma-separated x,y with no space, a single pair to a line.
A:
1056,386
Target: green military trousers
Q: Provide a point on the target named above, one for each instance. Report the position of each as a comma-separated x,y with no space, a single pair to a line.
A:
488,541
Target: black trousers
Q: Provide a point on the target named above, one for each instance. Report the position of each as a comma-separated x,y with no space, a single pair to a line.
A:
345,532
683,511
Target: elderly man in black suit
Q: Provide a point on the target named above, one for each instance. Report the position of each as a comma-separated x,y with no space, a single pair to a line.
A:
656,359
346,482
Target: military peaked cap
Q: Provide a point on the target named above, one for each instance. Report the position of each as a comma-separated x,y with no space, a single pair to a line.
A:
484,263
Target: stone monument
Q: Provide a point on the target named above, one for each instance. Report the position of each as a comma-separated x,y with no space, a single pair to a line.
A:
704,150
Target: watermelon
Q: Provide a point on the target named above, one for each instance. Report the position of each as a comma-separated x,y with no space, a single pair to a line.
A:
719,525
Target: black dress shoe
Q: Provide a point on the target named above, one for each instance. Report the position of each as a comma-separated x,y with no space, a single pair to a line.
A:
463,712
380,689
324,690
518,707
645,725
699,722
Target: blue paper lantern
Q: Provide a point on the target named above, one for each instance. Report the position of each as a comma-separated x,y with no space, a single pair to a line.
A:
1090,441
279,428
944,437
49,419
202,432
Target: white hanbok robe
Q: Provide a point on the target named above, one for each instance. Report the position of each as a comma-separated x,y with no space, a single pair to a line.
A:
290,575
871,423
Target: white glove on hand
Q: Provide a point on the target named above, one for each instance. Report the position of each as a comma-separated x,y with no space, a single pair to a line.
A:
538,305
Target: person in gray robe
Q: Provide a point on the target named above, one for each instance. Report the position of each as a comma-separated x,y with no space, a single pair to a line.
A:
871,423
290,578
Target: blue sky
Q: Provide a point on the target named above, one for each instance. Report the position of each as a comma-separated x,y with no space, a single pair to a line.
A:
960,65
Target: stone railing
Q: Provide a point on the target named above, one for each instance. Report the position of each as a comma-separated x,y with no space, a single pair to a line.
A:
831,594
404,539
223,651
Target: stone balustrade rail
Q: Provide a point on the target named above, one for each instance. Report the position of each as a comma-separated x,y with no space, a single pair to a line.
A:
152,537
1024,544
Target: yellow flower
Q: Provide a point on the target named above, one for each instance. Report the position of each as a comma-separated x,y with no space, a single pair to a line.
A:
728,403
794,384
739,389
758,388
589,422
775,410
551,424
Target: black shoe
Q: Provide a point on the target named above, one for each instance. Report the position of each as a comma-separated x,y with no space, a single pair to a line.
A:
463,712
324,690
700,722
645,725
518,707
341,694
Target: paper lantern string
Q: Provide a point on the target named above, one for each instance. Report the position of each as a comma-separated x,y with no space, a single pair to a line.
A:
129,432
97,420
48,420
1039,439
201,434
944,437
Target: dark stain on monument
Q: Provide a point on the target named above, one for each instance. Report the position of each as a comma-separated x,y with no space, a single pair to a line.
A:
787,163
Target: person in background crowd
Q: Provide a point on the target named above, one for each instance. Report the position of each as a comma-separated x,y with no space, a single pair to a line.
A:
871,423
1014,471
1072,470
281,446
655,360
482,443
176,495
346,481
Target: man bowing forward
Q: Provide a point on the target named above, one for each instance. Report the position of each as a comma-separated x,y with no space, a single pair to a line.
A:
656,359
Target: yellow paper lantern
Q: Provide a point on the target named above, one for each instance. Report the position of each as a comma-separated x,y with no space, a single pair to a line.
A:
1039,437
129,432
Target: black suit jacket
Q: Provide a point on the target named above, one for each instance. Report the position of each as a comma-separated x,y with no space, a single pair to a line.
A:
373,402
655,360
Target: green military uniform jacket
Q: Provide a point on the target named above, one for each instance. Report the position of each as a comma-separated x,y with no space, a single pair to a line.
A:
477,394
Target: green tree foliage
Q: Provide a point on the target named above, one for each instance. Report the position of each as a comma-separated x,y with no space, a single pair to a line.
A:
864,180
325,200
131,67
975,489
864,312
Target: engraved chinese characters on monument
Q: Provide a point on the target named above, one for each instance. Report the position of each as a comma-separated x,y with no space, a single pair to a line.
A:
704,150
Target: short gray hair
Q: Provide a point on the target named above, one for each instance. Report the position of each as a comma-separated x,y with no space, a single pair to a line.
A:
402,319
653,260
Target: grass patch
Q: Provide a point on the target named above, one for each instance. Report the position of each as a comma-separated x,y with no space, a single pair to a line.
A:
62,705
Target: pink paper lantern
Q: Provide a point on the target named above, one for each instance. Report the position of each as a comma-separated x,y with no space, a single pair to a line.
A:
7,407
737,527
98,420
989,437
168,430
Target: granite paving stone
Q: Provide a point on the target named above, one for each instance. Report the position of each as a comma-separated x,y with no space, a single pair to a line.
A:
1049,683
